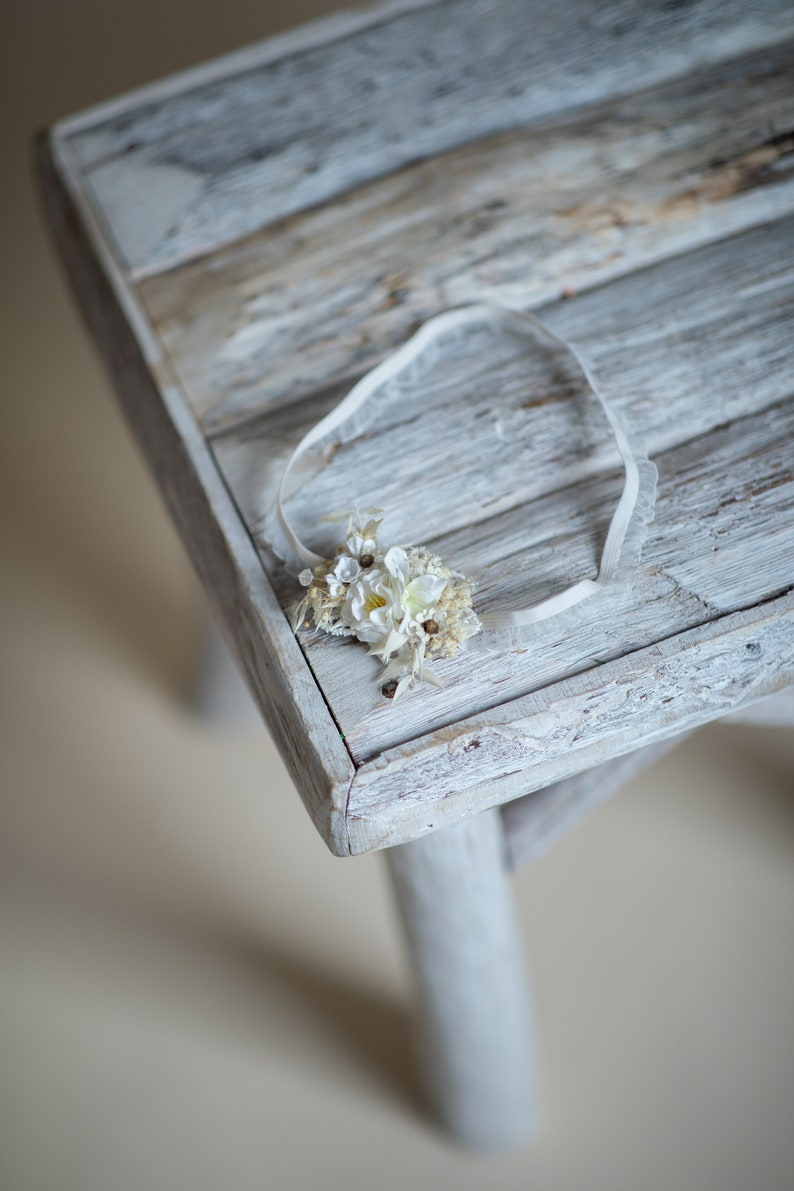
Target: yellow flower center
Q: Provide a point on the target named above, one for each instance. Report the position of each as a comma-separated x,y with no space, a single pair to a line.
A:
374,601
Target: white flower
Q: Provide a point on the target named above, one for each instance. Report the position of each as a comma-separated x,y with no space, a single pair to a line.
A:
420,599
364,540
386,603
396,563
370,606
345,572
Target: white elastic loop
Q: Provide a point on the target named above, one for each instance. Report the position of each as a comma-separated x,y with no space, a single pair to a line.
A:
355,399
399,360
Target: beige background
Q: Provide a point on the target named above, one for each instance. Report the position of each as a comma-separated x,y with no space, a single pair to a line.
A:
192,999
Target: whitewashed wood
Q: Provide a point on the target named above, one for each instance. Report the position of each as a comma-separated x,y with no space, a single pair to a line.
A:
696,351
475,1041
723,537
314,301
713,321
333,26
210,525
718,321
223,157
641,698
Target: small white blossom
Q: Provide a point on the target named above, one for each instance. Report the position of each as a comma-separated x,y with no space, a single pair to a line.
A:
369,606
403,603
420,599
364,540
396,563
345,572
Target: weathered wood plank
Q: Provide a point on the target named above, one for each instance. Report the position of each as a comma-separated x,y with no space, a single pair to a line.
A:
723,538
319,31
642,698
717,321
183,172
216,539
696,351
317,299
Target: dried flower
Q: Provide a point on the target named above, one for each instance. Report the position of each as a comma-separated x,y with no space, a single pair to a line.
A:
402,602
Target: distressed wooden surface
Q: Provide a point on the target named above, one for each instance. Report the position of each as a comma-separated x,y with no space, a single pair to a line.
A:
178,176
316,300
715,320
515,504
214,536
639,699
614,150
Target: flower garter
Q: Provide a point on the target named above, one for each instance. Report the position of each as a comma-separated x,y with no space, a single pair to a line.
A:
403,602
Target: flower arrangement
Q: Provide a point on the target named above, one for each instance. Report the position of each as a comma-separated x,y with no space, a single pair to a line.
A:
401,601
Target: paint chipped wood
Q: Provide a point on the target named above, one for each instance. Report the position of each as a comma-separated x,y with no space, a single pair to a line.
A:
238,274
206,163
315,300
528,484
639,699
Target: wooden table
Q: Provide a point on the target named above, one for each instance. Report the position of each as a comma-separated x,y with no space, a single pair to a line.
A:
250,237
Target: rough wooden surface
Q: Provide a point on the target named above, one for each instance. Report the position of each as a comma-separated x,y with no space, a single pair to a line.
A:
476,1045
179,176
640,698
480,148
214,536
718,321
313,301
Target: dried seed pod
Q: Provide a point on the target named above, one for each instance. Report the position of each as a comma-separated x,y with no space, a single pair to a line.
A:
431,627
366,561
389,688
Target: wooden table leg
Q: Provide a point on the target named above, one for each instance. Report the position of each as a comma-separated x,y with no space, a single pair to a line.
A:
476,1049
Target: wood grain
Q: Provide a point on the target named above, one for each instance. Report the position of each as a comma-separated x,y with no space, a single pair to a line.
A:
638,699
524,512
214,536
716,320
180,175
315,300
457,156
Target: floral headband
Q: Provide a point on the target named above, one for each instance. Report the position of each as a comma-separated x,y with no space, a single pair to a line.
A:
402,601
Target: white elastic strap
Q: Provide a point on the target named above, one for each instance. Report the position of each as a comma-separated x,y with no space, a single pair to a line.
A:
390,367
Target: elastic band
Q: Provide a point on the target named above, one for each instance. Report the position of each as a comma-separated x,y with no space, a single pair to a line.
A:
361,392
